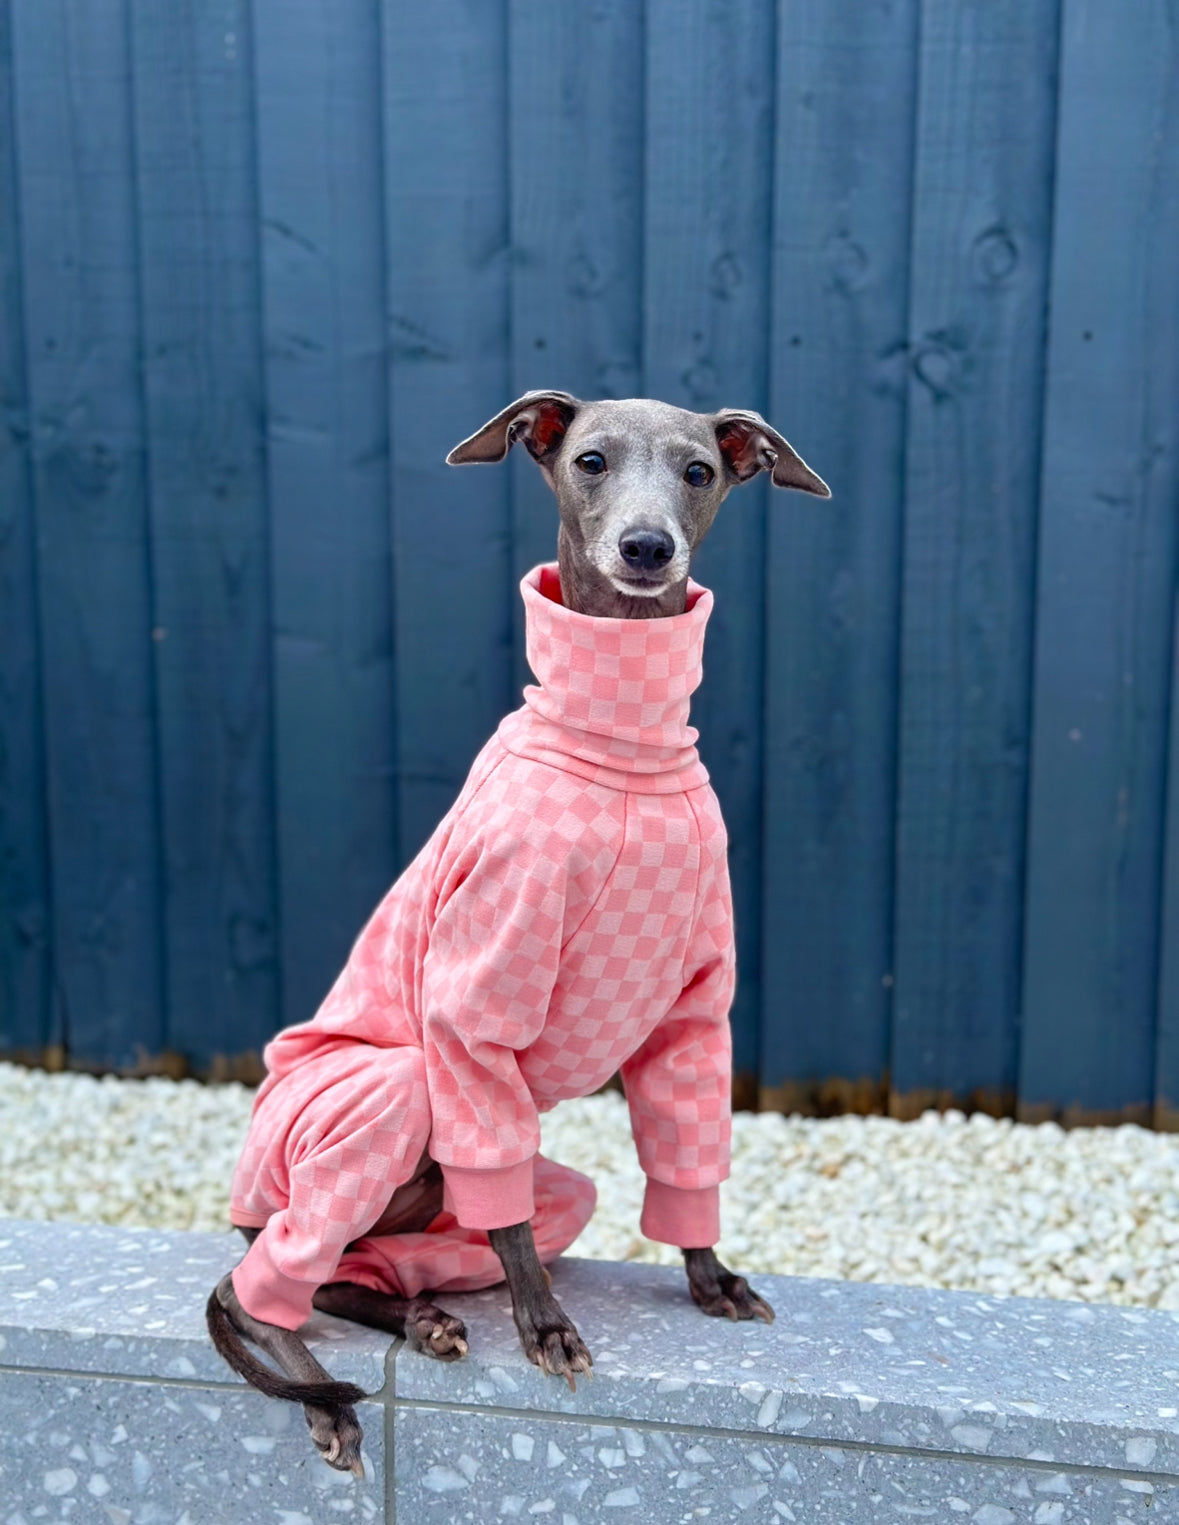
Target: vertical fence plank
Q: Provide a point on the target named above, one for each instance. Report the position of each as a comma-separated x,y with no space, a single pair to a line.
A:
576,124
25,924
708,177
1106,574
840,249
194,154
447,239
1166,1081
75,158
981,236
321,204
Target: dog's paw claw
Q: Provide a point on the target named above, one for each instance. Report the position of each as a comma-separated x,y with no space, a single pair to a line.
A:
561,1353
337,1436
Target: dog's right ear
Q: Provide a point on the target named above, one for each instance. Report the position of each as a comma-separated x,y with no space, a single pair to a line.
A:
540,419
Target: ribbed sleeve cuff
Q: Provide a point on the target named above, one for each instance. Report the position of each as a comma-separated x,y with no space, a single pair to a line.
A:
266,1294
688,1217
489,1198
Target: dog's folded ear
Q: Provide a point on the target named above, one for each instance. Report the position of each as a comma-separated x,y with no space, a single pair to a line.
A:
540,419
749,445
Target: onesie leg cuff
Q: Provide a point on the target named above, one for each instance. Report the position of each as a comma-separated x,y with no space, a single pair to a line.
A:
489,1198
266,1294
688,1217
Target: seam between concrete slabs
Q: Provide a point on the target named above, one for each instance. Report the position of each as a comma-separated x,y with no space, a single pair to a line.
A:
390,1435
697,1431
200,1384
390,1438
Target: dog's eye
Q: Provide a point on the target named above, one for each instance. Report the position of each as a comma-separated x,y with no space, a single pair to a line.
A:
699,474
591,463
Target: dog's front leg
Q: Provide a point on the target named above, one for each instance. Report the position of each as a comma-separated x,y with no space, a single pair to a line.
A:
718,1291
550,1341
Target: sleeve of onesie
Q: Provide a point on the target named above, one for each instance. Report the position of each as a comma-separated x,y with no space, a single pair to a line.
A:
679,1090
487,980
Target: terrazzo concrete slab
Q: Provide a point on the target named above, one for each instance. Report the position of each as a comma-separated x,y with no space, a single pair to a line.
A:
861,1403
1019,1378
144,1453
131,1302
459,1465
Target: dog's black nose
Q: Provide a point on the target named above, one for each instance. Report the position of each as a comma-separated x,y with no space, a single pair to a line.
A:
646,550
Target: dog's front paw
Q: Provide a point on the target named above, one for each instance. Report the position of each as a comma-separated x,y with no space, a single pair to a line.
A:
435,1333
720,1293
555,1346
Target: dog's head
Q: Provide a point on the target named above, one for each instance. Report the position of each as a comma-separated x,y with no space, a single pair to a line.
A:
638,482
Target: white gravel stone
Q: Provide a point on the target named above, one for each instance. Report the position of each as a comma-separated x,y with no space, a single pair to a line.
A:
947,1201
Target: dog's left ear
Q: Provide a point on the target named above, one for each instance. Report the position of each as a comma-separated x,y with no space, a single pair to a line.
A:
750,445
540,419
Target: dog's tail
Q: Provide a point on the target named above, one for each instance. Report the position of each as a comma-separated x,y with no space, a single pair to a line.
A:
229,1345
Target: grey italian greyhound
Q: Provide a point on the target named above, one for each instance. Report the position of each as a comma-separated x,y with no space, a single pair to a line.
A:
638,484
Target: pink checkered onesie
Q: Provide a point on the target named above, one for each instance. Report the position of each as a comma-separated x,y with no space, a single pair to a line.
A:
569,917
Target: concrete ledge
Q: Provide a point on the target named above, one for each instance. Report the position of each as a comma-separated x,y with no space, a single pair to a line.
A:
861,1403
115,1408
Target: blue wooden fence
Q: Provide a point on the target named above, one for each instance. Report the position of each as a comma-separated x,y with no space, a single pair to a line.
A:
263,263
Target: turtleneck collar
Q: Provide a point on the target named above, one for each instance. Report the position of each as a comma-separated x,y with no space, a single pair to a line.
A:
613,695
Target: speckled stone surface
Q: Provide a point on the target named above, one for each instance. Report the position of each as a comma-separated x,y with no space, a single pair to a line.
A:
861,1403
454,1465
136,1453
1017,1378
131,1303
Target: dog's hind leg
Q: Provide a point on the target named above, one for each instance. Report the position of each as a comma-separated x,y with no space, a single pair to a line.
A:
327,1405
411,1209
423,1326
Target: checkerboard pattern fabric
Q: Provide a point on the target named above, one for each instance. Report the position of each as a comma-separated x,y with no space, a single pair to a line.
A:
569,917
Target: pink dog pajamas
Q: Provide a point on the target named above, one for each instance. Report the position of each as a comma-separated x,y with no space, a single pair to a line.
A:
569,917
